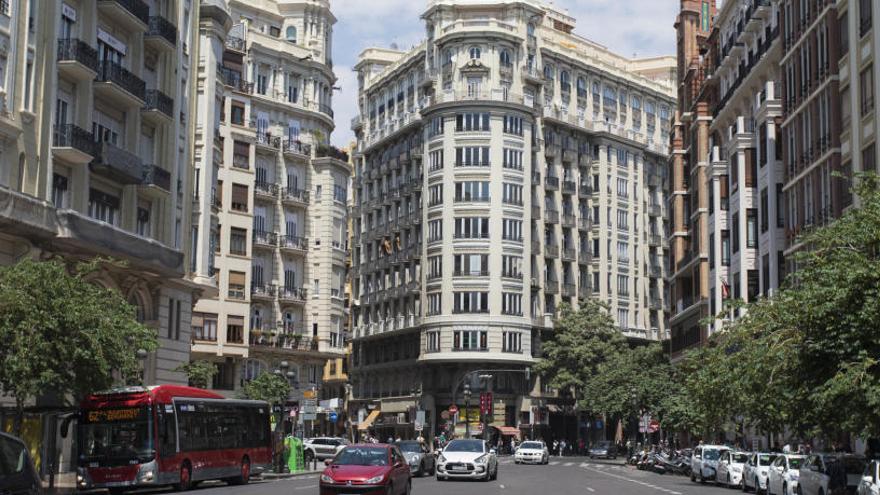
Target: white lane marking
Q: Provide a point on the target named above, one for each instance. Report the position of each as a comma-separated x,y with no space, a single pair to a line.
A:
310,487
590,490
624,478
568,464
554,463
501,486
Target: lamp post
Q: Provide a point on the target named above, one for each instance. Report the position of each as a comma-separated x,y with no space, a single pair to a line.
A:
635,405
467,403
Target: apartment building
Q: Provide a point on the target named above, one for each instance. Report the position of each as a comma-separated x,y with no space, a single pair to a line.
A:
270,219
504,166
95,119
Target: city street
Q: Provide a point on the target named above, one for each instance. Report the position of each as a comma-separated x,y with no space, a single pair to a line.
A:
570,475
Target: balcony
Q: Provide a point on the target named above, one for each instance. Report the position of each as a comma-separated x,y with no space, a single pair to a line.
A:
158,107
551,287
295,196
117,85
569,254
584,160
296,147
292,295
236,44
569,290
157,176
569,187
261,292
118,165
551,183
265,240
77,60
134,15
266,142
234,80
265,190
584,257
551,250
568,220
569,155
654,271
324,150
294,244
161,34
551,216
282,341
73,144
655,210
654,240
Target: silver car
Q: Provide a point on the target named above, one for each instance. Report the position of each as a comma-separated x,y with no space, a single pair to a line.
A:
420,461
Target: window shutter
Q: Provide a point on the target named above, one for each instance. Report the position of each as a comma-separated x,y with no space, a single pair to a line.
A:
236,278
235,320
240,194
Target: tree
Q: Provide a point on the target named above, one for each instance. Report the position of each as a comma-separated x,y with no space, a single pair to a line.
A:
62,335
630,381
271,388
579,342
200,373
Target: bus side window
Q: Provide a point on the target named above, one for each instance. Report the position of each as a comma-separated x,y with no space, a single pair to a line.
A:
167,433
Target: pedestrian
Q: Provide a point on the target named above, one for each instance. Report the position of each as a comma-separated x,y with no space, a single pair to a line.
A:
581,446
562,446
556,446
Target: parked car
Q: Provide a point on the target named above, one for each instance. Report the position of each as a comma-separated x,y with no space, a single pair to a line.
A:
756,471
870,482
704,462
604,450
815,473
784,474
467,459
531,452
17,473
322,447
730,468
420,461
366,469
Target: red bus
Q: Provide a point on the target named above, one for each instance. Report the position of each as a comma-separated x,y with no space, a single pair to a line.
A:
170,435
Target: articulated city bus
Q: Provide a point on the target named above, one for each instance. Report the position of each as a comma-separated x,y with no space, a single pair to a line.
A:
170,435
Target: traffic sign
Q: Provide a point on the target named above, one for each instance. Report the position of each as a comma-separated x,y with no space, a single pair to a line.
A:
333,417
453,409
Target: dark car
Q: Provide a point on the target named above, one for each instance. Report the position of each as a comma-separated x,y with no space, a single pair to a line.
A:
604,449
421,462
17,473
367,469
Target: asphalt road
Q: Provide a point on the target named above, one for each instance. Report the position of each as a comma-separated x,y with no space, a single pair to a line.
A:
563,476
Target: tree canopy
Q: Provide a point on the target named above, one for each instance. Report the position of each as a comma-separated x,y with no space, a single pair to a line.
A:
269,387
61,334
199,372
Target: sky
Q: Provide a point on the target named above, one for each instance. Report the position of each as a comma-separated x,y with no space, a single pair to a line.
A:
628,27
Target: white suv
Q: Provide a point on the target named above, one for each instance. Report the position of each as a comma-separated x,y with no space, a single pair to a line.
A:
730,468
322,447
784,475
757,470
815,473
704,462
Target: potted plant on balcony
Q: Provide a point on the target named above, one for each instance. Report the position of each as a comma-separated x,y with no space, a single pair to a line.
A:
296,340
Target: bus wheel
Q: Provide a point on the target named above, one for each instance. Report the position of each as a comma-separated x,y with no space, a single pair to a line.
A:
185,478
245,475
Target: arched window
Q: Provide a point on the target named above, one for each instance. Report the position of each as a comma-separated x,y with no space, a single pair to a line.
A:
548,72
565,80
140,308
581,86
636,103
448,56
291,34
504,58
474,52
257,318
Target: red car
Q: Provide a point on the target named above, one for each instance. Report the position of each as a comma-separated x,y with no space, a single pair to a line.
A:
367,469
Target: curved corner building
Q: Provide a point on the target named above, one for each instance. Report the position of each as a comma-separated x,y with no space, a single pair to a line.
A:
504,166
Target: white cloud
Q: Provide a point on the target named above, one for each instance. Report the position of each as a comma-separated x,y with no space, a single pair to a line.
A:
642,27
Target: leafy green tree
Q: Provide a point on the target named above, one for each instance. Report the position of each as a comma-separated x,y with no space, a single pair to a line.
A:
61,334
271,388
579,342
630,381
200,372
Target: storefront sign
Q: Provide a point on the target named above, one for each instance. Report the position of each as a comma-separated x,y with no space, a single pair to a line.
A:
68,12
113,42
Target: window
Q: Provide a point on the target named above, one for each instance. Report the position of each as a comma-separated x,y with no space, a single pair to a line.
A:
238,241
59,191
724,195
865,15
435,195
290,34
780,217
434,304
725,248
734,170
436,127
235,328
623,318
765,220
734,222
340,194
512,229
511,341
753,285
843,29
143,222
622,219
204,326
751,228
866,88
472,191
435,267
435,160
623,285
433,341
474,52
513,159
435,230
466,122
469,340
751,168
868,159
504,58
237,117
470,302
513,125
103,207
512,194
239,197
472,228
622,252
622,190
236,286
241,155
595,247
472,156
511,266
471,265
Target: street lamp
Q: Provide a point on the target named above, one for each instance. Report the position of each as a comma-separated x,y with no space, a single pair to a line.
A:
467,403
635,404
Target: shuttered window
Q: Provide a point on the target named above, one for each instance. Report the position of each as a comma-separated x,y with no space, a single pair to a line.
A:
239,197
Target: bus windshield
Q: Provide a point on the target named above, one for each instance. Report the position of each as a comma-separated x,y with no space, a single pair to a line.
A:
114,436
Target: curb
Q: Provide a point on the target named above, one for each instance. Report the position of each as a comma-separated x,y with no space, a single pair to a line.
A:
282,476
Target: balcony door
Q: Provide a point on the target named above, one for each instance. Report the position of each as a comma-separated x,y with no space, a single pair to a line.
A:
290,226
110,49
260,219
63,107
289,279
257,273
